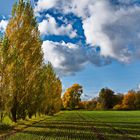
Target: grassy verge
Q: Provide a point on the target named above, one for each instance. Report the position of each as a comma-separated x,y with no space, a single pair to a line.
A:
8,128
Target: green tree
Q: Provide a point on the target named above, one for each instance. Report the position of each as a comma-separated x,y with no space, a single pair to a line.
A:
118,99
137,100
106,98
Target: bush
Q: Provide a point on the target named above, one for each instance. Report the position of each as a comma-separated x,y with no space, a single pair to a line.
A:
5,126
99,106
118,107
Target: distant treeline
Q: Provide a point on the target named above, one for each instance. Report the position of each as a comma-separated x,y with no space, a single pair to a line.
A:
27,85
106,100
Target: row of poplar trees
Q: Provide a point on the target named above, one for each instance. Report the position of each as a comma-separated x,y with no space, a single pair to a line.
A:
27,85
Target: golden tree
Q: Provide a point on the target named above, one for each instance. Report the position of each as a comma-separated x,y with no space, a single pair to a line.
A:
4,80
25,47
129,100
52,89
71,98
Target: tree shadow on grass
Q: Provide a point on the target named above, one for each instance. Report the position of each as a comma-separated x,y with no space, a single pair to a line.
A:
64,127
82,130
72,135
88,127
63,134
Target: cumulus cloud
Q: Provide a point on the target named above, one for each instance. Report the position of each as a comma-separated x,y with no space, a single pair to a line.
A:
115,29
68,58
49,26
45,4
3,24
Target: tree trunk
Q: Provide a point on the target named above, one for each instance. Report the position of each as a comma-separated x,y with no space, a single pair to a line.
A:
1,117
30,115
14,113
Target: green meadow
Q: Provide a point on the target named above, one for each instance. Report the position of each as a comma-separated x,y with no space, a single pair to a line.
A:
81,125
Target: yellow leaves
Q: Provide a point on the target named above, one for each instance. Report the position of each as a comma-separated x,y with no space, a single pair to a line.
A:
53,88
118,107
71,98
129,98
128,102
24,52
29,82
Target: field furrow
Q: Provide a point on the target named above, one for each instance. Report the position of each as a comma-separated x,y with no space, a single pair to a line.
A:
83,125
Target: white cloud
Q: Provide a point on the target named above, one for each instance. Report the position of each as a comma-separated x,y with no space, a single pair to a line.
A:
45,4
85,97
68,58
115,29
3,24
49,26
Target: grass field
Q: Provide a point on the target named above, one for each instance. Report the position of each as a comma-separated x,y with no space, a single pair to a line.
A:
84,125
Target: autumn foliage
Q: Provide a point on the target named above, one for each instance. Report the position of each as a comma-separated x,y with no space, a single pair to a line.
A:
71,97
107,99
27,85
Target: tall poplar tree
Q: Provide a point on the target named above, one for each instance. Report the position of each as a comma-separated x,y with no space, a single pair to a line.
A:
52,90
4,60
25,47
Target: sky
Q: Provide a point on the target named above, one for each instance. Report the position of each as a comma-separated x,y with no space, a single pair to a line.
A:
95,43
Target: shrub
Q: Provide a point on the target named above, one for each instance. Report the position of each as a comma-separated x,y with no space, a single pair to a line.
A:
118,107
5,126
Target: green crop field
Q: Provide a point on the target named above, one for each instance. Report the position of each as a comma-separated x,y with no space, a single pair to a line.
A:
84,125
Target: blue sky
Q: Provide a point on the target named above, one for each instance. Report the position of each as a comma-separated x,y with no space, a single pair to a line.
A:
96,43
